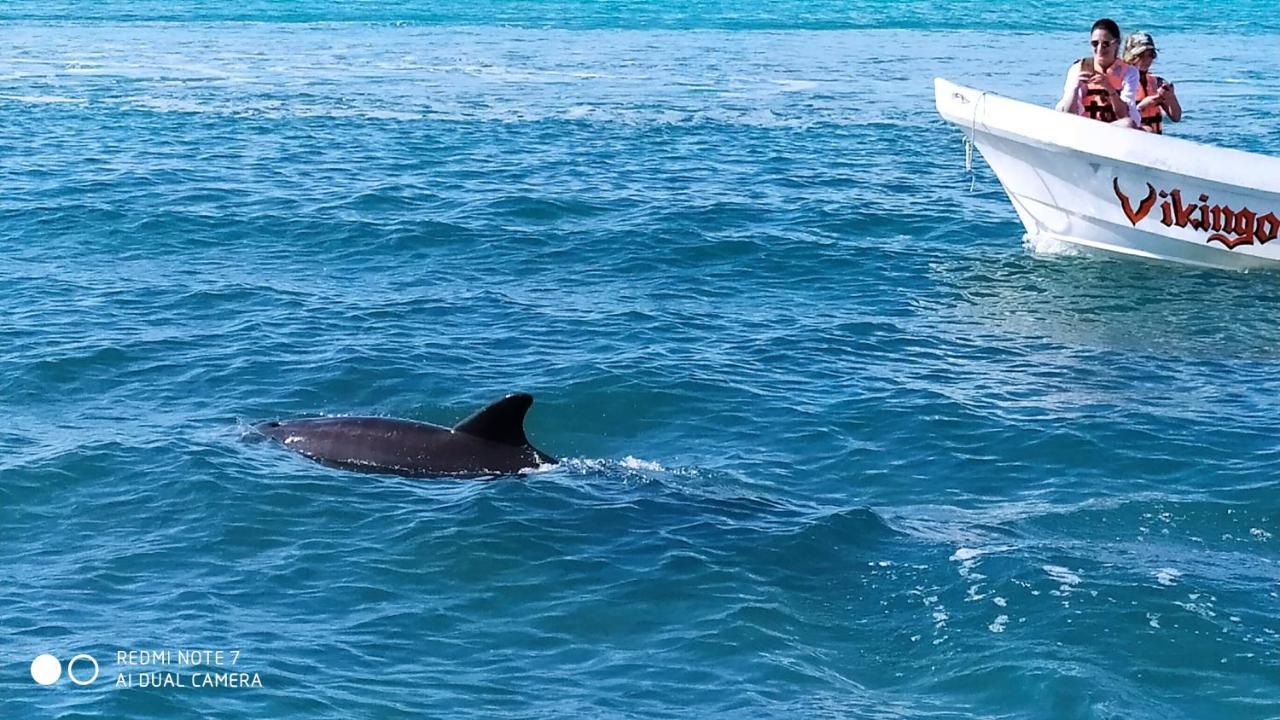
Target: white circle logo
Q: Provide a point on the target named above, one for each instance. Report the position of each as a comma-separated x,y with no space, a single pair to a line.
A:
46,669
72,663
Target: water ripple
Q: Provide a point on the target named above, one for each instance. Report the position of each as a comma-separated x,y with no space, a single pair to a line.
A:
836,443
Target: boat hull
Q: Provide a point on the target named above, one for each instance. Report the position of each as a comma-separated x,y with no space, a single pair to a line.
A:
1123,191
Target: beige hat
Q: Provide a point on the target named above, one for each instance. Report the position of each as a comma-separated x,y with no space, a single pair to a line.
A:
1136,44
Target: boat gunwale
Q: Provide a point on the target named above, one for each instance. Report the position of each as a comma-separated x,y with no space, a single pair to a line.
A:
1050,128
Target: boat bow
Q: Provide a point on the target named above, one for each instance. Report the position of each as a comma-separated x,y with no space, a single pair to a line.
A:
1111,188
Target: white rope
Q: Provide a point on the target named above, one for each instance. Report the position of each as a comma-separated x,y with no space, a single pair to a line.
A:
968,161
968,143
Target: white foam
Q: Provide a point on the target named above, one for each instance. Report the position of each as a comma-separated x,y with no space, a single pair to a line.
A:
165,105
1042,245
544,467
1167,576
937,611
370,113
577,112
997,626
796,85
1204,610
968,559
44,99
632,463
1062,575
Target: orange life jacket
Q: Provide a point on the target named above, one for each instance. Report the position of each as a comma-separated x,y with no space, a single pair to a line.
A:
1152,116
1097,101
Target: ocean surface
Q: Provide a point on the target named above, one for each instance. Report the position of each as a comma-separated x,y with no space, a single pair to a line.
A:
837,442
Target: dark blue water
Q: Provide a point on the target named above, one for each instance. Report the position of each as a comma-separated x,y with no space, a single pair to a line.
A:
837,444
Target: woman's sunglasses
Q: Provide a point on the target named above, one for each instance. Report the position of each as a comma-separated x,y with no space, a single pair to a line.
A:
1102,43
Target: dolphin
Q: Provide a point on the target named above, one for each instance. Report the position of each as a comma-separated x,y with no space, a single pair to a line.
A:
489,442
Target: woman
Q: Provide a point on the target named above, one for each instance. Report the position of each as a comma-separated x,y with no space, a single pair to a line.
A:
1103,86
1155,96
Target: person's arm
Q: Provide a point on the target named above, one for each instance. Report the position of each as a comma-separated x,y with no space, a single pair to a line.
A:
1071,91
1126,101
1170,103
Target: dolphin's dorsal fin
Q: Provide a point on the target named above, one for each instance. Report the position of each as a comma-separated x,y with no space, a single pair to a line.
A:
501,422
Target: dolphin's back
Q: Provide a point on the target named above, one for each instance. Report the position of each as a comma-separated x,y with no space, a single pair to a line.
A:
369,443
490,442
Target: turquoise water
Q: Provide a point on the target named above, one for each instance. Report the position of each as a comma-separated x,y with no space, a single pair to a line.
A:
1223,21
837,444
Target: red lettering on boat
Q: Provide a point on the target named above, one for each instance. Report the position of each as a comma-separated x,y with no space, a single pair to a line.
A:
1223,224
1144,207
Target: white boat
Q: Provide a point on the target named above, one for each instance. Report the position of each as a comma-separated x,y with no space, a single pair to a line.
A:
1124,191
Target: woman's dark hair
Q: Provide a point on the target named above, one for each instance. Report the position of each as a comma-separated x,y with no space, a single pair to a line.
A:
1107,24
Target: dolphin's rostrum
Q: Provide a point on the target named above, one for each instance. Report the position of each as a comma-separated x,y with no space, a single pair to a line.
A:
489,442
